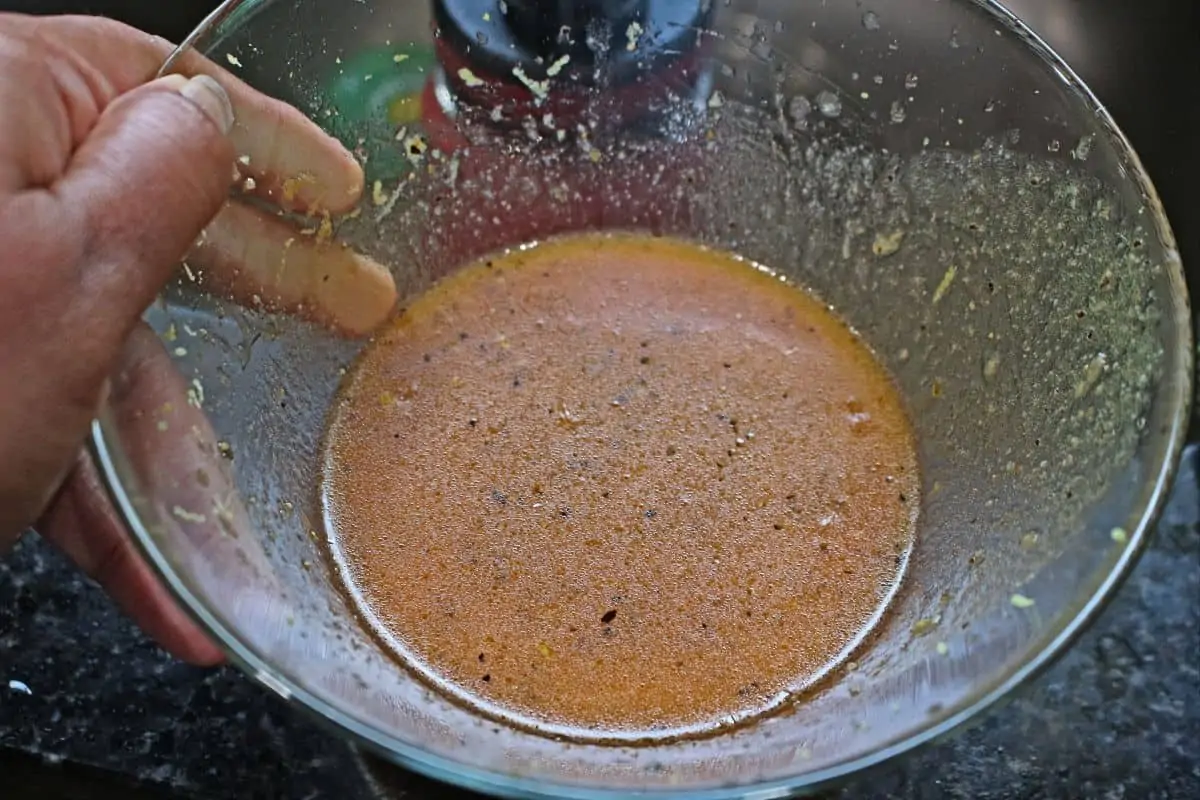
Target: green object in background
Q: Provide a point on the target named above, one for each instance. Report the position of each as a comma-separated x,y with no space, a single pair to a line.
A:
373,95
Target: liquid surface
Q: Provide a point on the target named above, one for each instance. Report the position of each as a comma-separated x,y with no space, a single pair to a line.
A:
619,487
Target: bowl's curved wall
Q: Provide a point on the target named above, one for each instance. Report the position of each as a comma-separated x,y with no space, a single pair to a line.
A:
931,171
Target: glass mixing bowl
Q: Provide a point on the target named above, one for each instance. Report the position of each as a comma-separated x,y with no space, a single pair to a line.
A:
932,170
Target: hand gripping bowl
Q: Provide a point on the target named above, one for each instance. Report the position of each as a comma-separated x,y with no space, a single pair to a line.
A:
931,170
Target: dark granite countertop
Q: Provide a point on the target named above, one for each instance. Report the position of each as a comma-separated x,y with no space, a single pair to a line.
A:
90,709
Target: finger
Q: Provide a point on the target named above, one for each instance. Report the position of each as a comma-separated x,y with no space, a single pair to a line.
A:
82,523
149,178
293,162
184,474
185,495
256,259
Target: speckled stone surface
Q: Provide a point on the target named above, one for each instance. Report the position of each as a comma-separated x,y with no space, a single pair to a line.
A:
106,714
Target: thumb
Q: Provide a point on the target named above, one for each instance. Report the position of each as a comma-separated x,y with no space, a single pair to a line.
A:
152,173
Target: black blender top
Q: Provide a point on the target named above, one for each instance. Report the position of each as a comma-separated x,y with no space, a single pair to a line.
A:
591,43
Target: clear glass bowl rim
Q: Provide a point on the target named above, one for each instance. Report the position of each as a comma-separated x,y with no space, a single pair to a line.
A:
462,775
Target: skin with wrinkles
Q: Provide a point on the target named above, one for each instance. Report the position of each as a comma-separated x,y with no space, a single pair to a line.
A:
106,181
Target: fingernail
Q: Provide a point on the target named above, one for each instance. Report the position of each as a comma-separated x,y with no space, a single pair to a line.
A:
212,100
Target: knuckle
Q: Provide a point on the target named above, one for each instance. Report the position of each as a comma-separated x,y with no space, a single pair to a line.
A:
43,257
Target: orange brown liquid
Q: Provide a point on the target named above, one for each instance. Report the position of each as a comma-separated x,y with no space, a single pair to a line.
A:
619,487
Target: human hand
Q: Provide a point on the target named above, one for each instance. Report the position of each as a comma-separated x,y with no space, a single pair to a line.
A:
106,180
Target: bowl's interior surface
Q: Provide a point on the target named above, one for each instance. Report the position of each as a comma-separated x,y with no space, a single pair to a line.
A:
925,169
